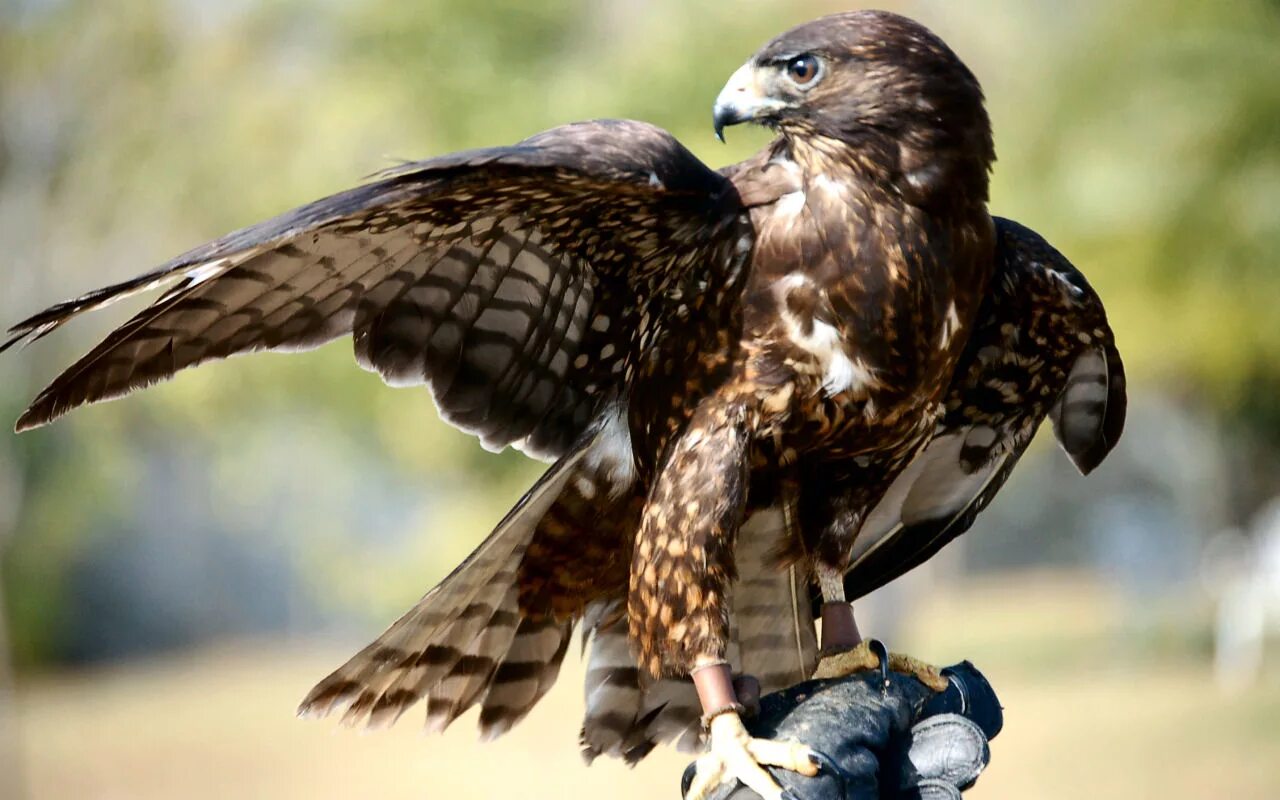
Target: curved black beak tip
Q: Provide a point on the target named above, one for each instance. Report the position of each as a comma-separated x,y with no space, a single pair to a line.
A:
723,116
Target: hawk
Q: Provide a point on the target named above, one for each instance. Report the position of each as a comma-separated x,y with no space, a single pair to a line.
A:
804,372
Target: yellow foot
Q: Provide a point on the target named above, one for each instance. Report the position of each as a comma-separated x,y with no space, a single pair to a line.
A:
735,755
863,658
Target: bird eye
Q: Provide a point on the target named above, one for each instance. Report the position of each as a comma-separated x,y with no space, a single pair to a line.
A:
803,69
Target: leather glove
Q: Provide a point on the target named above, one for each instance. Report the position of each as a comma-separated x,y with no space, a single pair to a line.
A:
880,736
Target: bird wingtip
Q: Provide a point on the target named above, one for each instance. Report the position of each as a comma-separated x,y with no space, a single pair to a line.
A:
30,420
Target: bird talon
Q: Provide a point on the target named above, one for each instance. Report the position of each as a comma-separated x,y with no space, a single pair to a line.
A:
882,655
871,654
825,764
736,756
927,674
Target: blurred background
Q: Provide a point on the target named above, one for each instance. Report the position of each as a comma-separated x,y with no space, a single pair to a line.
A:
176,570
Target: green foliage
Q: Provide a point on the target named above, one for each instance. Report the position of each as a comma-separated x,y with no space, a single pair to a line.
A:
1161,168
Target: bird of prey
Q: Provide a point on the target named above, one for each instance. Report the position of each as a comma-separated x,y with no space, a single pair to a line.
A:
804,372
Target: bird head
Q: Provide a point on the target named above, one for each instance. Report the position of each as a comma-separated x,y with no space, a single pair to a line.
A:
867,79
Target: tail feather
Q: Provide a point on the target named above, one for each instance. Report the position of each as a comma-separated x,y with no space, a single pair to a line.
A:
628,713
771,608
457,627
772,634
467,680
387,694
669,712
612,689
476,636
528,670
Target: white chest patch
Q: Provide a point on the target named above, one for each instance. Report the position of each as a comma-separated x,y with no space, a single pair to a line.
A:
790,204
823,184
840,373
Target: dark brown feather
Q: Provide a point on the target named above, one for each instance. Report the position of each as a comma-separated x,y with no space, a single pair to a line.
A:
1039,319
508,280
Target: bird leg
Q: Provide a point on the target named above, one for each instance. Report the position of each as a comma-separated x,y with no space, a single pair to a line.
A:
843,650
839,628
733,753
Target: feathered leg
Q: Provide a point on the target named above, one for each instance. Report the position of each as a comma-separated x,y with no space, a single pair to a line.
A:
734,753
845,652
677,607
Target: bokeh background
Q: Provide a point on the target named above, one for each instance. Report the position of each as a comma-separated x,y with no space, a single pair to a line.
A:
177,569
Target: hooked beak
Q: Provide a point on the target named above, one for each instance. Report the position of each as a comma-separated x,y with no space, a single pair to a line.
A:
742,100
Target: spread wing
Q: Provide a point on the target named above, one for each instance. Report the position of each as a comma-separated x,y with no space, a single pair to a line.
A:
1042,347
507,280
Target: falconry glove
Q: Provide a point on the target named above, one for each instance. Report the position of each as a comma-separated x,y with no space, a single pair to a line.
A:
881,736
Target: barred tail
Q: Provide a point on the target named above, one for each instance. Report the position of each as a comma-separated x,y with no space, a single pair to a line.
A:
1089,416
465,642
628,713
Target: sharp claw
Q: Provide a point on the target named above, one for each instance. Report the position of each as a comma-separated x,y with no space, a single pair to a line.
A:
686,780
876,646
734,756
824,763
961,690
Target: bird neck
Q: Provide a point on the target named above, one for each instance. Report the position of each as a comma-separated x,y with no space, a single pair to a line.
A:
931,175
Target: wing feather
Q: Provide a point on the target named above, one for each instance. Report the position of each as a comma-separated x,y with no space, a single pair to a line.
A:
477,274
465,625
1041,347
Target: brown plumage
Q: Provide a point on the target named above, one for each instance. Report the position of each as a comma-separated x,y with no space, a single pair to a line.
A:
873,250
786,339
771,637
1041,348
